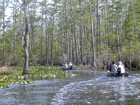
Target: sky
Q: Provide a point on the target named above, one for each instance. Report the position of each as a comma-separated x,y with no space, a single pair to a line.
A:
8,10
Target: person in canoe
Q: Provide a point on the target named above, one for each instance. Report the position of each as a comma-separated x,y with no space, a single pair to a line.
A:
70,65
121,68
66,65
113,67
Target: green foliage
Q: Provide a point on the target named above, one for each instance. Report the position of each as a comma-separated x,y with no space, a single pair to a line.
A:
109,36
36,72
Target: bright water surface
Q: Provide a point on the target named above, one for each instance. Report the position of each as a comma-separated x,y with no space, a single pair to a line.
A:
89,87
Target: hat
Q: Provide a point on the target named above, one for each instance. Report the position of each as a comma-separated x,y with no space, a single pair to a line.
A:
119,62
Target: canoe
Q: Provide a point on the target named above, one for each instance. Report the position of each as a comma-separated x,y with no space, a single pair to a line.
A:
116,74
64,68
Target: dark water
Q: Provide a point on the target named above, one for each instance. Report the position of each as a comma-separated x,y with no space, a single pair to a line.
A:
88,87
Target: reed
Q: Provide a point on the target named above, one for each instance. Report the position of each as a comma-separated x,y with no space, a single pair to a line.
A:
5,70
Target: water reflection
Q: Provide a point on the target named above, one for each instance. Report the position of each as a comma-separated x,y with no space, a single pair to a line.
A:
88,87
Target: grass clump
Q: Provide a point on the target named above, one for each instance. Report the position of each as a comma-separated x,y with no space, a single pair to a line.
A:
5,70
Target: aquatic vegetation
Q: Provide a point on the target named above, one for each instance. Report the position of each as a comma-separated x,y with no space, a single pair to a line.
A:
36,72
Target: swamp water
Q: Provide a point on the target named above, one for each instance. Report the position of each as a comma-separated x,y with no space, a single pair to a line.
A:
88,87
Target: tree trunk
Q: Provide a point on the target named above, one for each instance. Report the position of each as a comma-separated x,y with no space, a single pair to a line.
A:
14,48
3,23
76,46
81,38
47,40
26,42
52,41
92,35
62,46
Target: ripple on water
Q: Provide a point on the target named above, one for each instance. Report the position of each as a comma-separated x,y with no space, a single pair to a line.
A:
103,88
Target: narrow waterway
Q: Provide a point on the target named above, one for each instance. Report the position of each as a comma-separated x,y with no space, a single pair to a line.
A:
81,87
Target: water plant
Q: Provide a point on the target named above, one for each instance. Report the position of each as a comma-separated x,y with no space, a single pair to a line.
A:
36,72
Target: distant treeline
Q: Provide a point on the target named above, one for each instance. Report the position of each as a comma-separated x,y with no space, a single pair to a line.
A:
89,32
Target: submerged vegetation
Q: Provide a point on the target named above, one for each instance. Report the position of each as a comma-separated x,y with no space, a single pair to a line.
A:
14,75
